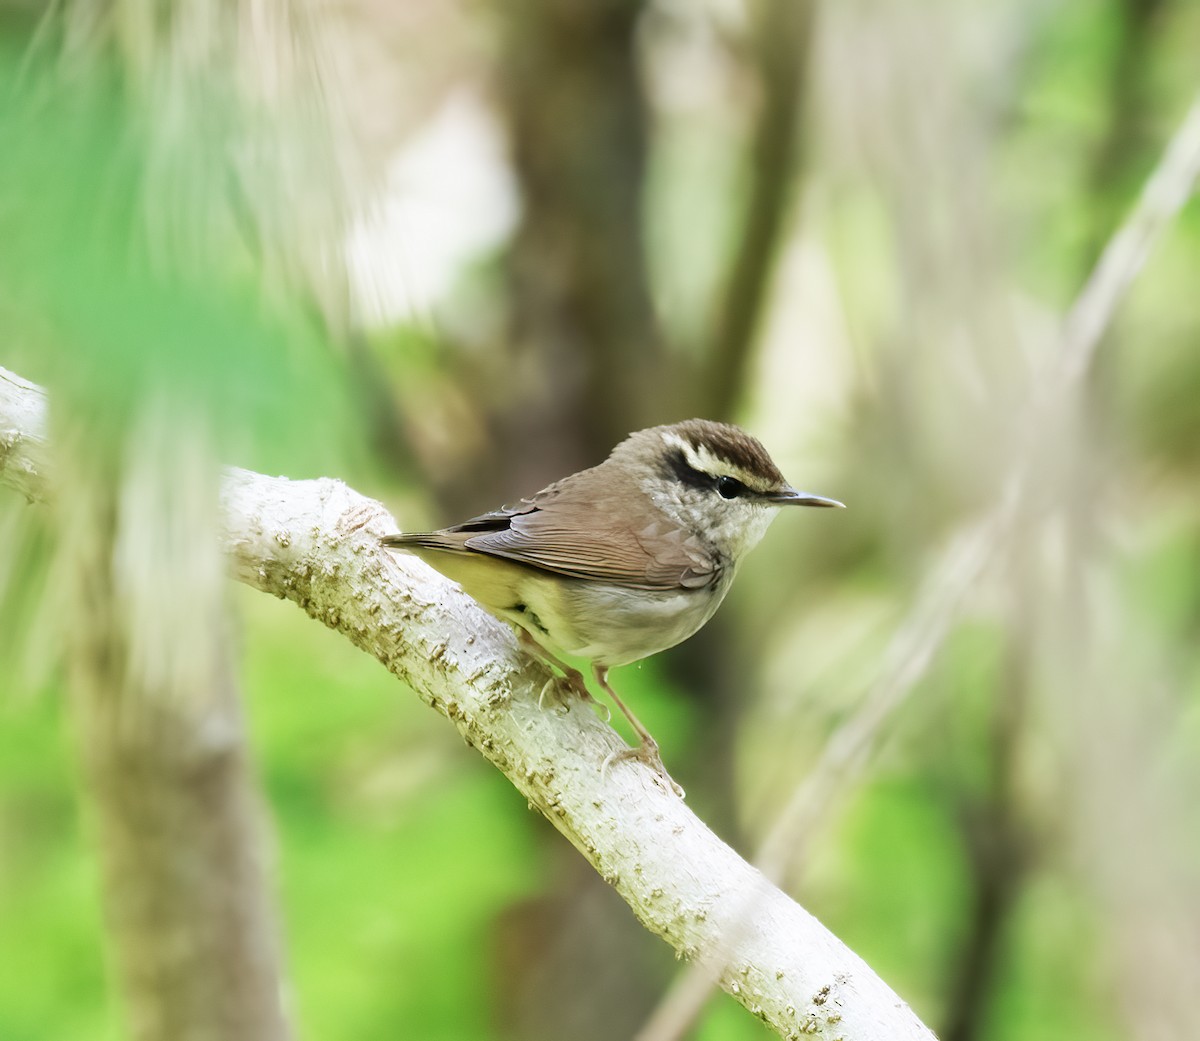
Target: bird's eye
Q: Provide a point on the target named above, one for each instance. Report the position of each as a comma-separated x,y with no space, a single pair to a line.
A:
729,487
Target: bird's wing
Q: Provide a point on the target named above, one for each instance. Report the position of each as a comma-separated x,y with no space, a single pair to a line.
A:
570,531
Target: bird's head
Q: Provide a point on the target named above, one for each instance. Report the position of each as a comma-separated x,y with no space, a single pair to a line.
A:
712,479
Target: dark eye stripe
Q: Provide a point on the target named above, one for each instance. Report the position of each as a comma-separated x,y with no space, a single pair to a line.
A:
678,467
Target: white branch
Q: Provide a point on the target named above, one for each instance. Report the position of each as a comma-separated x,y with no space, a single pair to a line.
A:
317,543
23,463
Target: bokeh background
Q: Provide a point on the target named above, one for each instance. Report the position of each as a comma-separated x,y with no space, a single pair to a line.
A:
450,251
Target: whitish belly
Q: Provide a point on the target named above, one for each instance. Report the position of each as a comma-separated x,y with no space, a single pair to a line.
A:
612,625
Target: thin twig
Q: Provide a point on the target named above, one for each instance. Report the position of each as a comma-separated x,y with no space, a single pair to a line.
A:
1169,187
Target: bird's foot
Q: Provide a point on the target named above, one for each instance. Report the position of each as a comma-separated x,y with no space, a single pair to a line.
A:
647,752
560,690
554,692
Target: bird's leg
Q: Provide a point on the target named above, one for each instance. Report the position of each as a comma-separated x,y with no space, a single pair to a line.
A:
647,751
573,678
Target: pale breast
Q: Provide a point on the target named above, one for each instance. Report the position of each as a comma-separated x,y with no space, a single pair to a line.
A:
612,625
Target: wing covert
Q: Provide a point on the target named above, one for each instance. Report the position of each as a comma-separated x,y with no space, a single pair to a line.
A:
570,541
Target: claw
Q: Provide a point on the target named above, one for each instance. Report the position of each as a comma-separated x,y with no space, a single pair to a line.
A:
647,752
552,691
558,688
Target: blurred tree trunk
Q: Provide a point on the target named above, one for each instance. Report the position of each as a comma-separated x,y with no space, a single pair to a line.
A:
779,50
162,741
584,362
996,837
207,161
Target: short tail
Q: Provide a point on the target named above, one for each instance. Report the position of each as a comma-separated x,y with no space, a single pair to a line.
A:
413,540
398,541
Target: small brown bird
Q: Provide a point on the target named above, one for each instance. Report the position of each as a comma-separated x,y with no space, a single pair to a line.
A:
622,560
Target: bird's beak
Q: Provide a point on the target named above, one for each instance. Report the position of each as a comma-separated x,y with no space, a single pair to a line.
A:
788,496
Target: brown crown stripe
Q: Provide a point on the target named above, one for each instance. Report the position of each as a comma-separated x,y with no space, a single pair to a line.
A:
734,446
